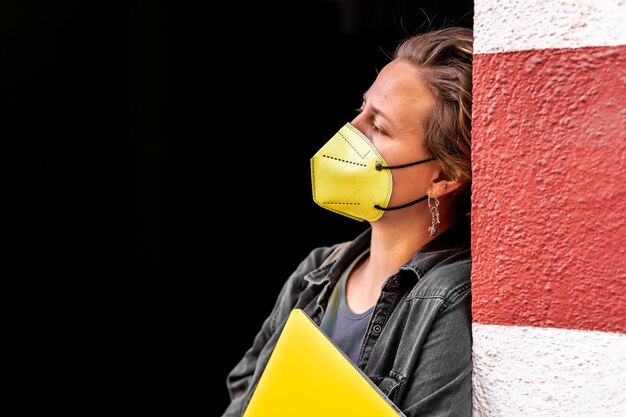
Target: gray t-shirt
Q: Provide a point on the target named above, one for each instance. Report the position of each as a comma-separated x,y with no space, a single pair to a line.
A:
345,328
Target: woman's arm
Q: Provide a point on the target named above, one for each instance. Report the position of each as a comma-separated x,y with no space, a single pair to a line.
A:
241,378
441,383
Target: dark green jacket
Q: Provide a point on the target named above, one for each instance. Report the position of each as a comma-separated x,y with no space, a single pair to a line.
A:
418,345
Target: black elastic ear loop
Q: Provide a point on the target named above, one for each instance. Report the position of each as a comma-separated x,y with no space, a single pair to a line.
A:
380,167
402,206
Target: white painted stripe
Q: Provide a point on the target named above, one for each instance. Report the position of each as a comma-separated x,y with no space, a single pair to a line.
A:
532,371
514,25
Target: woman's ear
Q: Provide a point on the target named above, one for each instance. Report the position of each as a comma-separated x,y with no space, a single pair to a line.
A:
441,187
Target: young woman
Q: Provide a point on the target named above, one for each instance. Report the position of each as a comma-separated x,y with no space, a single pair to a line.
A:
397,298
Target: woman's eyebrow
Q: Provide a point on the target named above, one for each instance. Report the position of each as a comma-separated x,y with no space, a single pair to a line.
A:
379,112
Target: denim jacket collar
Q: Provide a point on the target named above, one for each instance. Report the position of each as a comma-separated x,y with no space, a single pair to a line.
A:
431,254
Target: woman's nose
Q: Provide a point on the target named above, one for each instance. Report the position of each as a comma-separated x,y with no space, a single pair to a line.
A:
360,123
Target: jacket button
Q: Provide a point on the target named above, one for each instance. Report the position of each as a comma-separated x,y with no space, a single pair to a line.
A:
377,328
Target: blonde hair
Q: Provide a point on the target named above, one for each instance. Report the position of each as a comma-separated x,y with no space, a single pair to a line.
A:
443,58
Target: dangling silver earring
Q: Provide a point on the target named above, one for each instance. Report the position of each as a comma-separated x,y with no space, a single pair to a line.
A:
434,212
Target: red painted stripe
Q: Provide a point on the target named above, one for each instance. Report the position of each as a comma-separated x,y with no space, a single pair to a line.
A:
549,217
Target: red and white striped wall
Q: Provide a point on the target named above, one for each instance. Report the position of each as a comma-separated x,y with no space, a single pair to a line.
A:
549,216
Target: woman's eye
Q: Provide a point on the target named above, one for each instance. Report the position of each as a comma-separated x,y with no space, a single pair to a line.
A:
375,128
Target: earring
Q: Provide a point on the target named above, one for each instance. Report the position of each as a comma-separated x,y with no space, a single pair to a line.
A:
434,212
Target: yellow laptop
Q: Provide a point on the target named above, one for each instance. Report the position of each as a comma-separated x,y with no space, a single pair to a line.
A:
308,376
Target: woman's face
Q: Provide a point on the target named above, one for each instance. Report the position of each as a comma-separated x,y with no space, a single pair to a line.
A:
392,117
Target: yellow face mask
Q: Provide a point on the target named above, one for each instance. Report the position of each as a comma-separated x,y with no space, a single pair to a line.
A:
351,178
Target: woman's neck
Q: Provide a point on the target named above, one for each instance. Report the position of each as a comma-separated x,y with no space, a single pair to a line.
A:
393,242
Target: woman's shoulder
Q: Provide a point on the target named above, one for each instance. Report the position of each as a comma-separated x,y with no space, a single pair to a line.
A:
446,277
318,259
322,255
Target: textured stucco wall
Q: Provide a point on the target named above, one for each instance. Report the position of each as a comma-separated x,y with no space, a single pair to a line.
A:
549,223
549,149
507,25
537,371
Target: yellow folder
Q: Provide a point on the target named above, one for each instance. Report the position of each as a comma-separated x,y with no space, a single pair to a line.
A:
308,376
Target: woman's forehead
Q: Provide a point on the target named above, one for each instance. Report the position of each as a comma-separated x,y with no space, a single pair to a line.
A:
399,91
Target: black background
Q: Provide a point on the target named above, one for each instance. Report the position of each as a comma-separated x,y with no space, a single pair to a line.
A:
156,184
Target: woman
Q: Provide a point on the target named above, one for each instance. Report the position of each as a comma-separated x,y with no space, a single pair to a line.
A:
397,298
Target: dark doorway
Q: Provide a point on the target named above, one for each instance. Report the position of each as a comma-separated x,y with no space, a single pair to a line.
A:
157,185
